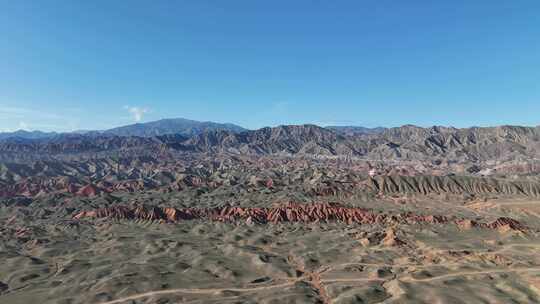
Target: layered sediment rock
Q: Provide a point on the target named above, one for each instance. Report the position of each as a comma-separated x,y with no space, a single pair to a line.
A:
290,212
338,184
424,185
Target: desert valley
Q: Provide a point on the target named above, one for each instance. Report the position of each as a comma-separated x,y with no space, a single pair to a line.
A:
290,214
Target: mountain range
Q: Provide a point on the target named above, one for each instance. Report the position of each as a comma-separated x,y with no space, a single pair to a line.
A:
446,145
27,134
182,126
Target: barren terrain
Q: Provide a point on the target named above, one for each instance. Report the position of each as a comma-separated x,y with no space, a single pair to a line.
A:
317,224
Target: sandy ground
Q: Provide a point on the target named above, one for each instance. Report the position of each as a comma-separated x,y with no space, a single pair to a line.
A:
109,261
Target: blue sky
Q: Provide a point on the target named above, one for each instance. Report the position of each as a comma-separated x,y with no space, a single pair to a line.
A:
67,65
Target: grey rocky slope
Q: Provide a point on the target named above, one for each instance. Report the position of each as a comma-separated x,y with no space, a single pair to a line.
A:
407,143
174,219
356,130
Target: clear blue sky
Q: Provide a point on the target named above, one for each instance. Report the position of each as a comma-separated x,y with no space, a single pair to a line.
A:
70,64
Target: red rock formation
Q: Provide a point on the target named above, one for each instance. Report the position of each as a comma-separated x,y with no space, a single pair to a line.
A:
466,224
391,239
502,224
88,191
290,212
503,221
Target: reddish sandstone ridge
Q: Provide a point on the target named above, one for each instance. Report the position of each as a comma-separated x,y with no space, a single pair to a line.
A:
290,212
88,191
502,224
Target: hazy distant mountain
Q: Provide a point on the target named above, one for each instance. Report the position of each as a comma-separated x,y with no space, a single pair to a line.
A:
26,134
355,130
184,127
181,126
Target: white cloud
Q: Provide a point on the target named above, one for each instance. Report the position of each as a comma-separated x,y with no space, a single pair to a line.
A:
136,112
17,112
23,126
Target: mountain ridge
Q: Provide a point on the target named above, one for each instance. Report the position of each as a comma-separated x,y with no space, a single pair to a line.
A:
183,126
503,143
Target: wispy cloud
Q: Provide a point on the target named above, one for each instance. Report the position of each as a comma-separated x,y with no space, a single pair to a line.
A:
23,126
137,113
17,112
14,118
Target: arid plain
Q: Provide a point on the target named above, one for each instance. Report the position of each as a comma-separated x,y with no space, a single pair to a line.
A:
296,214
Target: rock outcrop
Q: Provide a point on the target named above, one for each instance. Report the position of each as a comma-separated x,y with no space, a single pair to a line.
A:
424,185
470,145
291,212
316,178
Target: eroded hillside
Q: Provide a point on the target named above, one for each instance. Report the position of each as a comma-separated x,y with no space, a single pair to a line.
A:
279,215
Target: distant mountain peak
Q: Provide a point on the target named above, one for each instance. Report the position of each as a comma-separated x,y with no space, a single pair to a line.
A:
24,134
166,126
182,126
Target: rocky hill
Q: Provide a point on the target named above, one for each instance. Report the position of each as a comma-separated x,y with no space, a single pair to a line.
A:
299,208
355,130
511,148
